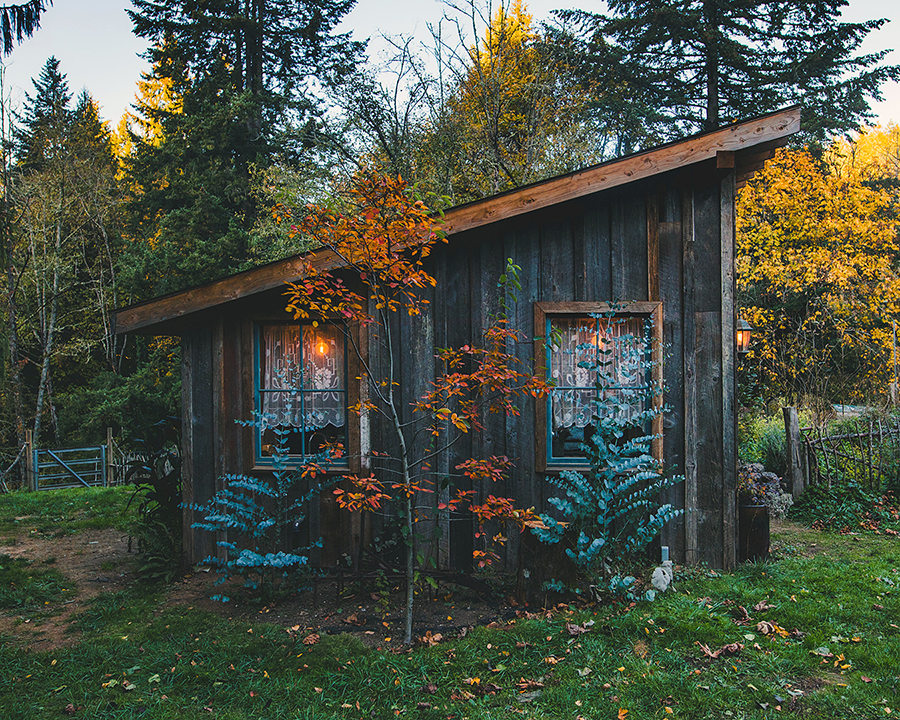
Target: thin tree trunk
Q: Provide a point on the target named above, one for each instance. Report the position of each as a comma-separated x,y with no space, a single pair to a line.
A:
712,64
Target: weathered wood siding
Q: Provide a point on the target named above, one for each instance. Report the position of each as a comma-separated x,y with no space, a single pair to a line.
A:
669,239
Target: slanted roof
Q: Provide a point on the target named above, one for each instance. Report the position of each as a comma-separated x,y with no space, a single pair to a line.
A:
744,146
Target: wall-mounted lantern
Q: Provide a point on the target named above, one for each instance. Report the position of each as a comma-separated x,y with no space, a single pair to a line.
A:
744,331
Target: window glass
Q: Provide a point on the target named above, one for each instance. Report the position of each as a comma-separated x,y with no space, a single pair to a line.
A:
579,350
301,387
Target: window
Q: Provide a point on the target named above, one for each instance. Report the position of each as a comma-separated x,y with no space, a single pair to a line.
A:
578,339
301,385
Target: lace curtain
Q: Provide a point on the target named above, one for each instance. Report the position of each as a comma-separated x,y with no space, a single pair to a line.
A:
302,381
574,366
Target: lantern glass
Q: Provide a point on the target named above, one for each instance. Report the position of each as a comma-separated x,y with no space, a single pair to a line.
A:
744,331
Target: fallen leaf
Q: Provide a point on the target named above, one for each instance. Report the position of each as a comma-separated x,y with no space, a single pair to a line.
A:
526,685
430,688
576,630
622,713
762,606
730,649
311,639
354,619
430,640
865,679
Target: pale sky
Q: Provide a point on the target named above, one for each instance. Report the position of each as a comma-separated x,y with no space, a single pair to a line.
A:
96,49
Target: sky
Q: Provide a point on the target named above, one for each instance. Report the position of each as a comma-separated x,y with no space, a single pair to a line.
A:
93,41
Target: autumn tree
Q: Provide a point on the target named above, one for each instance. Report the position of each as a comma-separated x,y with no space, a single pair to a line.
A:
370,274
817,276
61,256
514,109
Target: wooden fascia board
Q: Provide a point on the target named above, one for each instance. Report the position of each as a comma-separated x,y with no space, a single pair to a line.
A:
171,307
620,172
774,128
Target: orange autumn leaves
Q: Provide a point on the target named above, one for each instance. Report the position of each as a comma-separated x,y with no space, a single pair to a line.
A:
369,268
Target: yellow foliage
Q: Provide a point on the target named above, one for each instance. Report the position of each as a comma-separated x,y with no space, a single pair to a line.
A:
513,108
816,270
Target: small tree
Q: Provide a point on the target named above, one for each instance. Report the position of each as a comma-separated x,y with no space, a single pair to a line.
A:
612,512
380,246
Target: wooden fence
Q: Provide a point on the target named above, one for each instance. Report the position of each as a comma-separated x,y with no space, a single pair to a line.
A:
865,451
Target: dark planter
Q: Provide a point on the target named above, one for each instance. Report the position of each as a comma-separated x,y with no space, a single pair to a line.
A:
753,532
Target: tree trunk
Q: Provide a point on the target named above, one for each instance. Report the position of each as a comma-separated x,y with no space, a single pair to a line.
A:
711,21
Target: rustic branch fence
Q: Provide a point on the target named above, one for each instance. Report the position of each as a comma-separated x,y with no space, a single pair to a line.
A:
865,451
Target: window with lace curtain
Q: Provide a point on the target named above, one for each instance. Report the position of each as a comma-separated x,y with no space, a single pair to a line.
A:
301,387
581,340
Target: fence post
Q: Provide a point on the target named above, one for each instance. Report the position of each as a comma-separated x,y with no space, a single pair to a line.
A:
110,467
30,476
792,445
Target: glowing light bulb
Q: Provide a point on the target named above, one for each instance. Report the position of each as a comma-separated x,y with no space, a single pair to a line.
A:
322,347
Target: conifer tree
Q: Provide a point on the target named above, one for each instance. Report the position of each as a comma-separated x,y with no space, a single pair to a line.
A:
705,63
238,73
19,21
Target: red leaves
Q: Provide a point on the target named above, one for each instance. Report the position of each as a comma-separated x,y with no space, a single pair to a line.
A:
367,493
494,468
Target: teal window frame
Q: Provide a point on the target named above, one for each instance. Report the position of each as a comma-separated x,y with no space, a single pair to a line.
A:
260,458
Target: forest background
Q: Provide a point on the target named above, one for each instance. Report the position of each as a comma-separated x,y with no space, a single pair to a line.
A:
251,107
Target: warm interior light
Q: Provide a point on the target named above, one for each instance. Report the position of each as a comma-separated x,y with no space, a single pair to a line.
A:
322,347
744,331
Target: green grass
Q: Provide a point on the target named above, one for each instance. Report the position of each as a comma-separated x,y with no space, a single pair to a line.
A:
53,512
138,659
25,586
835,598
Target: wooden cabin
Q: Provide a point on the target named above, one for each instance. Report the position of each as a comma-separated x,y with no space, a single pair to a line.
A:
654,230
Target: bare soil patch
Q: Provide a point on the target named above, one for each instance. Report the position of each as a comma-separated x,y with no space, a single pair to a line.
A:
98,561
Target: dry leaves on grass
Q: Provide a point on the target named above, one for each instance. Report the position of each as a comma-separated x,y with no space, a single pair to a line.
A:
429,639
311,639
576,630
730,649
528,685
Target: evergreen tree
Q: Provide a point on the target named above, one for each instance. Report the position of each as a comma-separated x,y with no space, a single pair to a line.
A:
239,76
704,63
18,22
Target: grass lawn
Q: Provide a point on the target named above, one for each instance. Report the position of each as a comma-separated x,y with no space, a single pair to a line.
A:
812,633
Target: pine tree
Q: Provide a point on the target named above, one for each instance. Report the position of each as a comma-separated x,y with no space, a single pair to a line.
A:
705,63
239,74
18,22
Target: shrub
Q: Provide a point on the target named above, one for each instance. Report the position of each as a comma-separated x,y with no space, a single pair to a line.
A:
157,481
260,518
611,512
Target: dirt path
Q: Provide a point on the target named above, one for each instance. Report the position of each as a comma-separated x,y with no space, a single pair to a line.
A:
97,561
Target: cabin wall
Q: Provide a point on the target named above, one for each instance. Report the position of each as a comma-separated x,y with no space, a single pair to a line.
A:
670,239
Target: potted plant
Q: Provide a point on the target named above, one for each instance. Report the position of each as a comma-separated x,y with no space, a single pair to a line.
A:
760,498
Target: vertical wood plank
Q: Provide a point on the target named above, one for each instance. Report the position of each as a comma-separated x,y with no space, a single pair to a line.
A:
652,211
187,449
729,379
671,281
691,516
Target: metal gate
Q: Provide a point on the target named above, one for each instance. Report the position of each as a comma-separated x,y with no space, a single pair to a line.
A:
72,467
